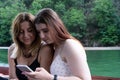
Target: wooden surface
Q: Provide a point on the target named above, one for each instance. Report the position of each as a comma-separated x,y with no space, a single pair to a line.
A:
4,70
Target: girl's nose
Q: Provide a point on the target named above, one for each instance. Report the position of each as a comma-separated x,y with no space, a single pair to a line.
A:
42,36
26,34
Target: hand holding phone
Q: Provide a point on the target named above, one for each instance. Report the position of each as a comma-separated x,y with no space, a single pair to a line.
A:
24,68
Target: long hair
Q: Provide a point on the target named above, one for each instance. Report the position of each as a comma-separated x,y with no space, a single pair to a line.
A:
54,23
15,31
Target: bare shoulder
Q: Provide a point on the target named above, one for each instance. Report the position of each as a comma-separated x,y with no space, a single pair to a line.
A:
11,48
73,47
46,50
70,43
45,53
46,47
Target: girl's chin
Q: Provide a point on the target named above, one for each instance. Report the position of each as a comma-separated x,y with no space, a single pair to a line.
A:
49,42
27,44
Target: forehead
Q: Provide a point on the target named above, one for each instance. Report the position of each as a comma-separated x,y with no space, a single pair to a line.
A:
41,26
25,24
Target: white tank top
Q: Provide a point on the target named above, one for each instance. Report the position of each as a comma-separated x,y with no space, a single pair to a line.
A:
59,67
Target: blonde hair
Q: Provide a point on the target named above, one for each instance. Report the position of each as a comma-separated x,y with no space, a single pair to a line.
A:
15,30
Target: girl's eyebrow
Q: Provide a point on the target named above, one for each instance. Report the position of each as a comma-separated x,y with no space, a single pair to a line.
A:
30,28
44,29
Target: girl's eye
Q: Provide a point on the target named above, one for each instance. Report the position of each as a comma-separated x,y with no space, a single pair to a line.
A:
21,31
30,30
45,31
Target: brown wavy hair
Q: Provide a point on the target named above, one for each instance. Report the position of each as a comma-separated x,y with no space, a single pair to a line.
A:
15,30
54,23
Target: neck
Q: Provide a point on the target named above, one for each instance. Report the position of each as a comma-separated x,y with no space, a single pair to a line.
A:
26,53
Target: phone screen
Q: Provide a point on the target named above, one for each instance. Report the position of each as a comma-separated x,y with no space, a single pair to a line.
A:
24,68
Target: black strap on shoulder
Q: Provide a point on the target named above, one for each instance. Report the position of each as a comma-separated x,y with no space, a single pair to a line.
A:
15,60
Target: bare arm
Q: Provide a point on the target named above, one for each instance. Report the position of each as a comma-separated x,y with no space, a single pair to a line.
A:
46,57
74,54
12,74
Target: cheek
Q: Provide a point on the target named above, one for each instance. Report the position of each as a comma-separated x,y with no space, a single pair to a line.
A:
33,36
20,38
50,37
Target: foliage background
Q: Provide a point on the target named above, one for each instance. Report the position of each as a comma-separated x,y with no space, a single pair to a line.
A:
93,22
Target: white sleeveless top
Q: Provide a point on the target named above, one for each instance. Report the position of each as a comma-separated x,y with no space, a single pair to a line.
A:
59,67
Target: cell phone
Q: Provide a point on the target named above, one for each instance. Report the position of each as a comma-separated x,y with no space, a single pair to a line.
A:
24,68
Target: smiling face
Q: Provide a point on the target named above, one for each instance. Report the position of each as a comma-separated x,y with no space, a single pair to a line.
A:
44,33
26,34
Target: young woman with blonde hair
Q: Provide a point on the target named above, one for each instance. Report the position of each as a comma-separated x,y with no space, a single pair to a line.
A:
27,49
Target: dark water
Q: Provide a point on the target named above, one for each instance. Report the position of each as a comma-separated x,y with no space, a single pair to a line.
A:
101,62
104,62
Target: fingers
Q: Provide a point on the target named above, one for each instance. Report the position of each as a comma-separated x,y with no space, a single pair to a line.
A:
13,79
34,75
30,78
39,69
30,75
